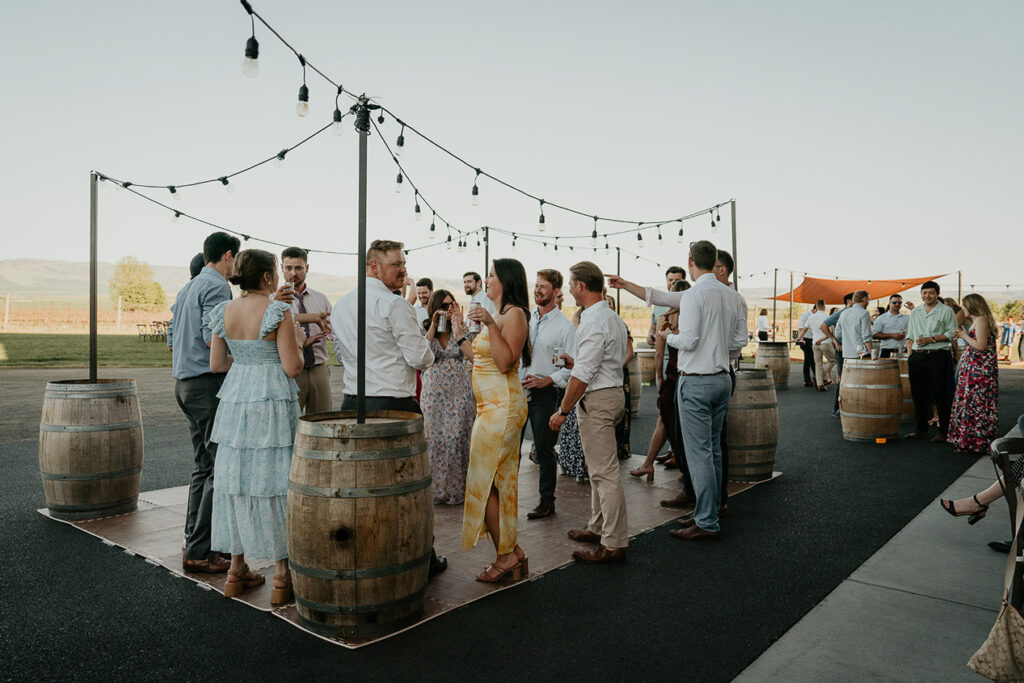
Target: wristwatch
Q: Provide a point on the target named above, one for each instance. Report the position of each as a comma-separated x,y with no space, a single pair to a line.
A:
459,343
562,412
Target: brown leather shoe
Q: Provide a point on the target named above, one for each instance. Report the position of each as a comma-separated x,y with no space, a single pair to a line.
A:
916,435
940,438
543,509
688,520
584,536
601,555
215,564
695,533
683,500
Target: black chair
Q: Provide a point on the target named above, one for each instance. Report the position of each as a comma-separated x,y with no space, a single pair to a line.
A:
1005,452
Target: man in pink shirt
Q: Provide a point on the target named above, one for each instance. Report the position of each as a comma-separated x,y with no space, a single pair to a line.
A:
312,310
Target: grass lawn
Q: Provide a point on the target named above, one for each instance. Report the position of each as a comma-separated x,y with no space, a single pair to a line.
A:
72,351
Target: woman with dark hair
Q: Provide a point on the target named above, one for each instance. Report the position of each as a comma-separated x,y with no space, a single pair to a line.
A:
255,423
492,485
447,400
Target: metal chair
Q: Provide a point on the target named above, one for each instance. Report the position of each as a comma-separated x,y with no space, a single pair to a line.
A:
1005,452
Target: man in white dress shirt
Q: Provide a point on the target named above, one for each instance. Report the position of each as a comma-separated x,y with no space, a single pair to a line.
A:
596,384
824,352
419,297
545,382
474,287
890,328
805,340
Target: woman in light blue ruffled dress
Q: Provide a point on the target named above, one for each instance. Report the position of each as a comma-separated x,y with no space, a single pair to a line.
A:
256,342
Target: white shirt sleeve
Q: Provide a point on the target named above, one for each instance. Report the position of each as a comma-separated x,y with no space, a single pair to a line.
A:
589,354
739,333
689,325
561,376
658,298
413,345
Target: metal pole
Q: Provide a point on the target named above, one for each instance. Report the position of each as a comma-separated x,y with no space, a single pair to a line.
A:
790,304
775,293
487,251
363,128
93,273
618,271
735,261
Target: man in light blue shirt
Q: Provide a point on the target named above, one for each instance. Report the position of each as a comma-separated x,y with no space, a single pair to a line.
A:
195,390
827,329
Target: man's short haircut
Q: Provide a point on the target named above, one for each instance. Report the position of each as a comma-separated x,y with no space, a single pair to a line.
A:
931,284
380,247
675,269
553,277
895,296
589,274
425,282
725,258
847,298
820,304
475,276
218,244
704,254
860,296
196,265
295,252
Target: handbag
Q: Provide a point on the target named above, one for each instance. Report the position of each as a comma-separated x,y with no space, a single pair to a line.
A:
1001,656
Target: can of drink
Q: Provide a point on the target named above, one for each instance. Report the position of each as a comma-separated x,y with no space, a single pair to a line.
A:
474,325
557,359
442,323
875,352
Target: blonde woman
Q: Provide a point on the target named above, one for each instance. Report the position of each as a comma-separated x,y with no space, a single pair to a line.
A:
974,422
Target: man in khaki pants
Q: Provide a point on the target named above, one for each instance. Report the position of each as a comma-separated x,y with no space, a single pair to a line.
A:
312,310
596,384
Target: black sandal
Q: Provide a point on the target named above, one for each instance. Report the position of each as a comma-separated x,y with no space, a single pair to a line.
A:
975,517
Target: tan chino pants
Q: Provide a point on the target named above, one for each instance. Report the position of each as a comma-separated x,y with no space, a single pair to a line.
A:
599,411
315,389
826,351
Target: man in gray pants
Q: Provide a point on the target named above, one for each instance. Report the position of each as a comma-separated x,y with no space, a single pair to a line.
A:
196,388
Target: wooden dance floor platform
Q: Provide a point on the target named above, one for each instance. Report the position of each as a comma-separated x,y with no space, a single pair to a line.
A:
154,532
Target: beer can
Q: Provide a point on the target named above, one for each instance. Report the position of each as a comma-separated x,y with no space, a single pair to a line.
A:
474,325
557,359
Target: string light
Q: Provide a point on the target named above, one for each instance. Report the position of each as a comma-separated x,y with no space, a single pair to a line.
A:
223,181
400,143
175,195
433,227
639,237
416,210
679,237
398,183
540,221
175,216
279,159
513,243
712,219
448,244
593,235
336,126
556,244
718,218
476,190
660,242
462,247
250,65
478,245
302,106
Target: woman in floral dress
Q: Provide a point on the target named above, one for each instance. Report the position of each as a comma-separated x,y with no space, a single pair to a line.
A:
447,401
975,419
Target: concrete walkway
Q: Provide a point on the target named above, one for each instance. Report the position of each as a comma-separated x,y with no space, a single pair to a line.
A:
915,611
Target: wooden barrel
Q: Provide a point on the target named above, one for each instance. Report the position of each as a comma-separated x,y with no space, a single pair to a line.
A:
870,399
636,388
909,415
360,522
645,361
774,356
752,427
90,448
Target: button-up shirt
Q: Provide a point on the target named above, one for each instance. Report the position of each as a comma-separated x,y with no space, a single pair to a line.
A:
814,322
188,333
548,332
600,348
395,348
421,315
712,325
923,323
887,323
314,302
853,330
809,334
482,299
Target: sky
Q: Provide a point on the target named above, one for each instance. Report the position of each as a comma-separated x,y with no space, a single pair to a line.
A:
859,140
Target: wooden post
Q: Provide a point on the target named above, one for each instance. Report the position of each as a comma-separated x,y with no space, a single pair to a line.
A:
735,261
790,305
775,293
93,273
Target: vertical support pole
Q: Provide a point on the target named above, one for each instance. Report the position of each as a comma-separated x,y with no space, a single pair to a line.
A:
775,293
93,272
790,305
959,285
487,251
363,129
618,271
735,258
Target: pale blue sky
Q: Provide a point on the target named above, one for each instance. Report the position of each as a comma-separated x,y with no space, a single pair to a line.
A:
862,139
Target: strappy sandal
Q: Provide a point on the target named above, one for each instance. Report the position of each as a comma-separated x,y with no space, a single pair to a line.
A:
492,574
975,517
245,579
282,594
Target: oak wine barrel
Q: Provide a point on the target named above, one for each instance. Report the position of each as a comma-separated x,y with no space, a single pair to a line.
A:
645,360
90,448
752,427
360,522
870,399
774,356
909,415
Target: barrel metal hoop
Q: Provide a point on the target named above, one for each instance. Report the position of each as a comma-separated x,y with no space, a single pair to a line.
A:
89,388
753,447
362,630
351,574
752,406
895,416
90,477
112,427
81,396
364,492
91,508
384,454
869,386
361,609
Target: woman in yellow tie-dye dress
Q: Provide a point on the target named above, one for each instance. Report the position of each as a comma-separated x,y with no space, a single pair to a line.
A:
492,486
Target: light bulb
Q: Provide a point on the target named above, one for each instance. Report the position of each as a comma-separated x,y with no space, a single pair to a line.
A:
478,246
398,183
475,195
593,238
302,106
399,145
279,159
419,214
336,126
175,193
540,224
639,240
433,229
448,244
251,67
679,238
175,216
513,245
462,247
227,186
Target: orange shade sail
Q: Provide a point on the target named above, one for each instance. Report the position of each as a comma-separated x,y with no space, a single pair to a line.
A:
833,291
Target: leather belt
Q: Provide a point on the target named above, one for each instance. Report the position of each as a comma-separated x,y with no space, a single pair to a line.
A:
703,374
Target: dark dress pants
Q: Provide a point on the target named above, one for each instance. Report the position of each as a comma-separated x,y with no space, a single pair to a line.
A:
405,403
805,344
197,398
542,405
929,380
839,369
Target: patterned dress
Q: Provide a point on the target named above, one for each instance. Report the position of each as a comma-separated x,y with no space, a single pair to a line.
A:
570,449
974,422
448,414
254,429
494,449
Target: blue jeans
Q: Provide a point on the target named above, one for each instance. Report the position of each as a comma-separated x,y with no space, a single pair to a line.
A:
703,402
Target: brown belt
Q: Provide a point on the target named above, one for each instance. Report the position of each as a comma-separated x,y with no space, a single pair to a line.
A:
703,374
